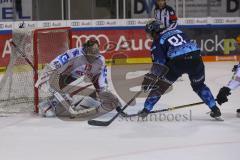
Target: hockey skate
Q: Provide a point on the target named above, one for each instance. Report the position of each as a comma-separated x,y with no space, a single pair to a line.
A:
238,112
143,113
216,113
47,108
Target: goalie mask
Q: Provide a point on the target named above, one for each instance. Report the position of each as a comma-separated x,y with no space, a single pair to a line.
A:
91,48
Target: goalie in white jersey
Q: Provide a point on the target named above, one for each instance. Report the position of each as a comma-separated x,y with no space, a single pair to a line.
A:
233,84
86,66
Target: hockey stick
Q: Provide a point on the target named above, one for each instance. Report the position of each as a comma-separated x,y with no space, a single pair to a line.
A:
107,123
167,109
23,55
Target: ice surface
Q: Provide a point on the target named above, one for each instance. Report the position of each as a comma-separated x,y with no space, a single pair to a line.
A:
195,137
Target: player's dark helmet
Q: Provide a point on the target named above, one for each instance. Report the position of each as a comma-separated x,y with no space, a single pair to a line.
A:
153,27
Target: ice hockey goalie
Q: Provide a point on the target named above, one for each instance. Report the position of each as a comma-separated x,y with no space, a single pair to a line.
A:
85,65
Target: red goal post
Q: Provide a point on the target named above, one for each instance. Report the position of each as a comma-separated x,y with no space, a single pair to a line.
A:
37,53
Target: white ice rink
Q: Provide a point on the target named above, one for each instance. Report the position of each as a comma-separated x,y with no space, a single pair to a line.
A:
195,137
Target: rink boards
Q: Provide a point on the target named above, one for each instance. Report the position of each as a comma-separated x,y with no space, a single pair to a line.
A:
125,42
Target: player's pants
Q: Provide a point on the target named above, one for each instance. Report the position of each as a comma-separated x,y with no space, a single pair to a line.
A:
192,65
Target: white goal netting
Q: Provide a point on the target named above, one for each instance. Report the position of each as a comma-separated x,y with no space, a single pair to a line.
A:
40,46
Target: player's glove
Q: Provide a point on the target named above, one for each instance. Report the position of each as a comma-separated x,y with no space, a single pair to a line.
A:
149,82
235,68
222,95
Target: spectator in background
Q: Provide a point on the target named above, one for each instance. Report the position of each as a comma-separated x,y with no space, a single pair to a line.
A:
165,14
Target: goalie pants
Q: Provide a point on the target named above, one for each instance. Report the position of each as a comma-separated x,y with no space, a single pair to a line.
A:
192,65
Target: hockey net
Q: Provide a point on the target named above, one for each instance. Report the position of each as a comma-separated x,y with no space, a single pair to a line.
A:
40,46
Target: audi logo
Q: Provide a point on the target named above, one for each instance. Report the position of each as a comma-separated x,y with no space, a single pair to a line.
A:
131,22
86,23
31,25
47,24
100,23
101,38
8,25
56,24
189,21
75,24
219,21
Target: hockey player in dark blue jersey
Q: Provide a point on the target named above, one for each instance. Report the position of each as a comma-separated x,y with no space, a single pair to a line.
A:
173,54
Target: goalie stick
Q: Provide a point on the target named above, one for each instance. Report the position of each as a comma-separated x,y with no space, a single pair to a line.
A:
107,123
23,55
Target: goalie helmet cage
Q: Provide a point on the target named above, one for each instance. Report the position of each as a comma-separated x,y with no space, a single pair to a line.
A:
40,46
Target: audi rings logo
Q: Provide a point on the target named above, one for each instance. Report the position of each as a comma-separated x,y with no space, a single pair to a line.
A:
190,21
101,38
100,23
131,22
219,21
75,23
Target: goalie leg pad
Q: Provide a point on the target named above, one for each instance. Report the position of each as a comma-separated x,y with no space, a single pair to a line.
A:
84,106
47,108
49,75
85,102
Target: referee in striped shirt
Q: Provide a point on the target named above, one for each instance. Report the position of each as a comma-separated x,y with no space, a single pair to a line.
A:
165,14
